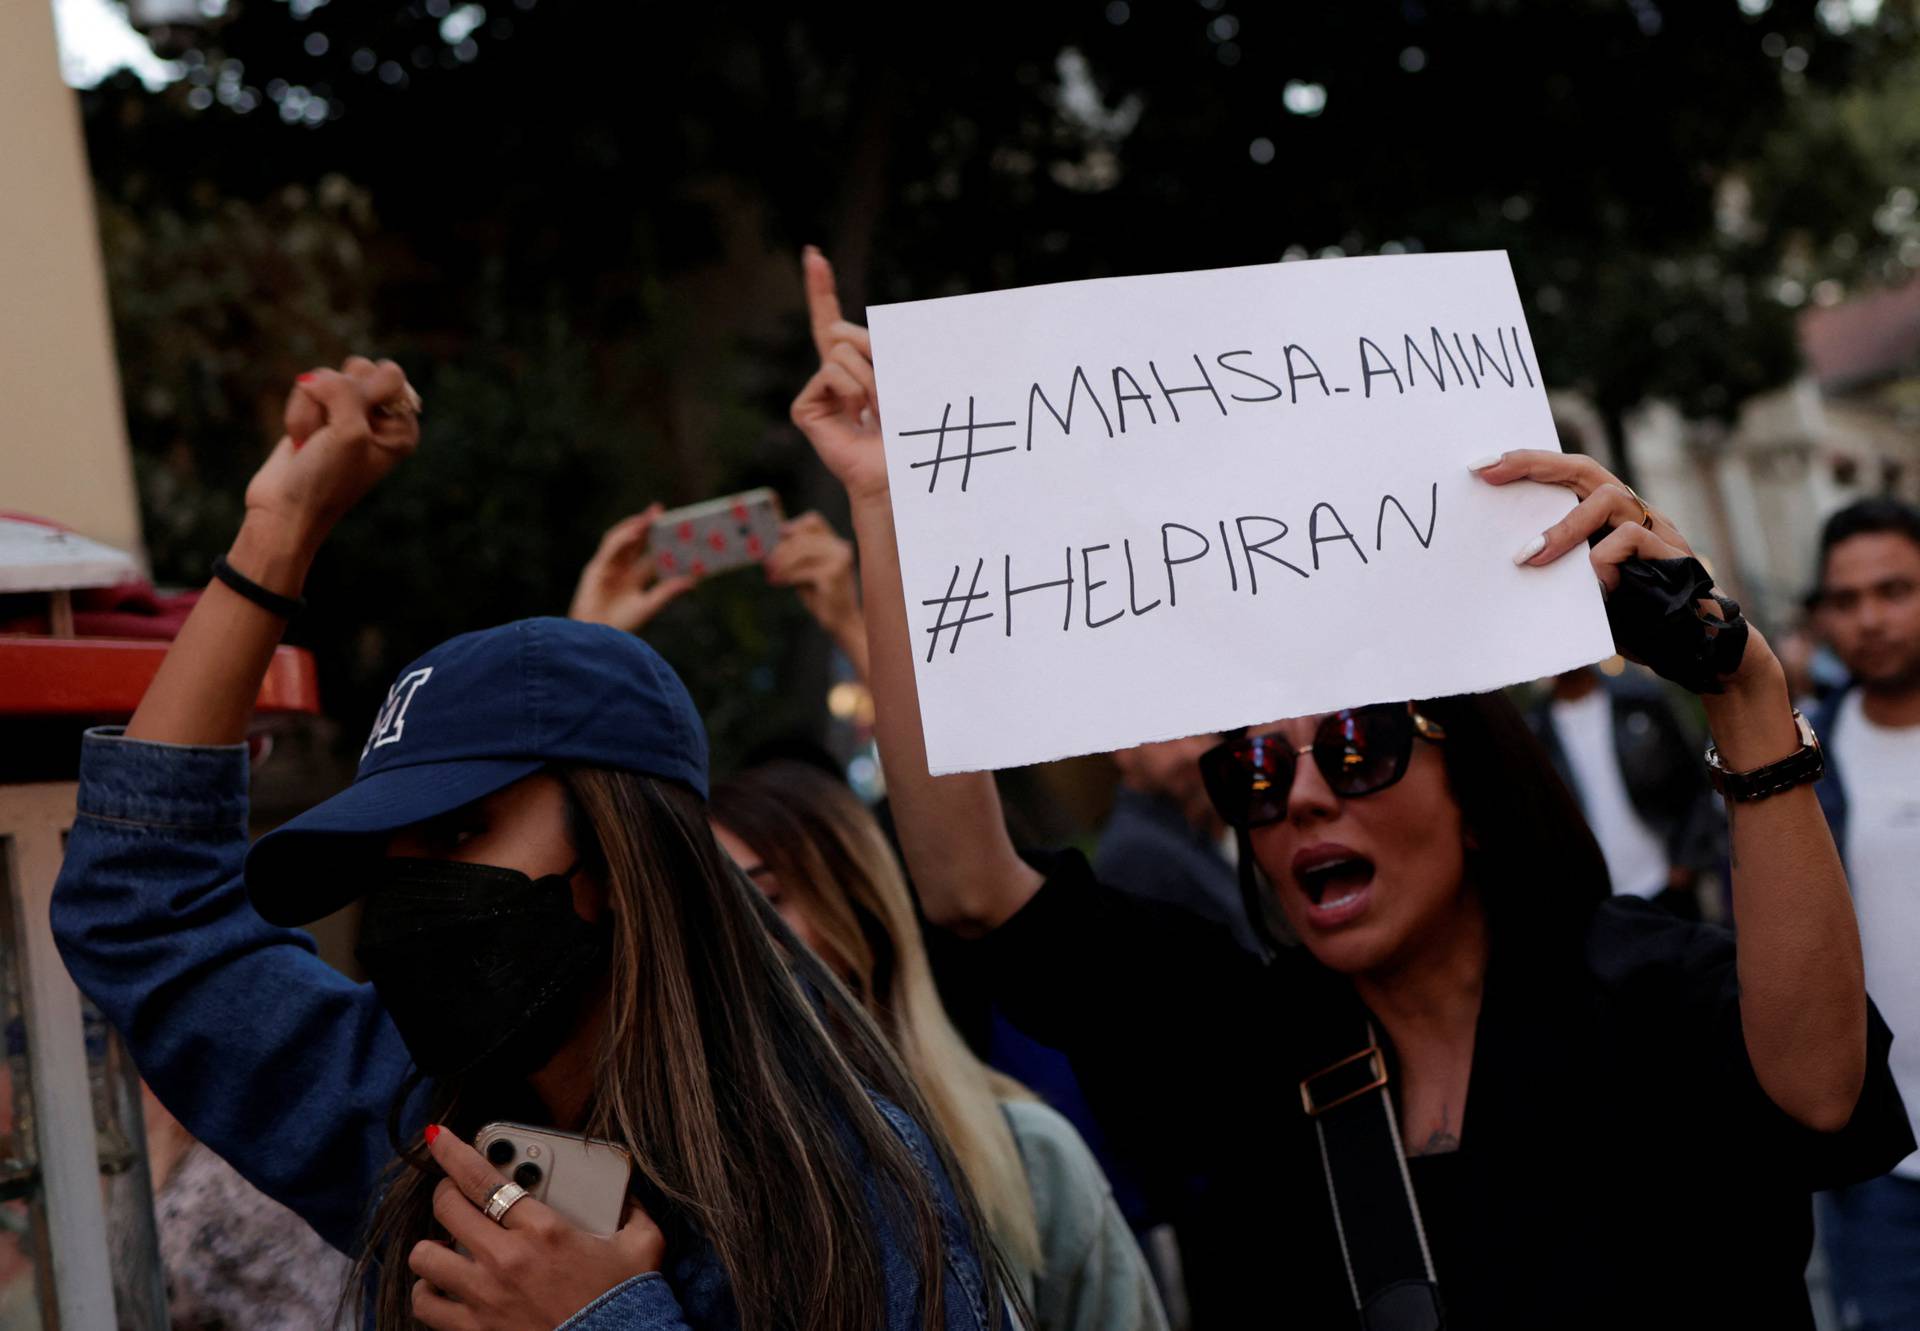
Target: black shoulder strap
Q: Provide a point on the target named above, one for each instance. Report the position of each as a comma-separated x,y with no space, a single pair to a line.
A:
1382,1239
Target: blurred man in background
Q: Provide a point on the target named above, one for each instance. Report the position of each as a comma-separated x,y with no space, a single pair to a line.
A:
1163,841
1868,602
1641,780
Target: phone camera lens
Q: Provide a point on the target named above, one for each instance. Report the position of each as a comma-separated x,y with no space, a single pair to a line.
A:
499,1151
527,1176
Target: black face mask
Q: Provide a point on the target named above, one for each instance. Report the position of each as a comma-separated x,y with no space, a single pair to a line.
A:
481,968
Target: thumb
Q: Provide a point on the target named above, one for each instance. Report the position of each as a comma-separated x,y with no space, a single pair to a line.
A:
342,408
640,1238
657,597
304,413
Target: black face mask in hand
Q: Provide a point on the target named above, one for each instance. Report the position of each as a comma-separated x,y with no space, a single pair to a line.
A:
481,968
1656,619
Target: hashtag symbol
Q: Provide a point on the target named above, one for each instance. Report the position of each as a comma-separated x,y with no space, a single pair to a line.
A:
940,622
941,457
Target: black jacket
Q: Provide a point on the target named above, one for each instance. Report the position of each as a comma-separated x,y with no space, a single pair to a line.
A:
1662,765
1619,1164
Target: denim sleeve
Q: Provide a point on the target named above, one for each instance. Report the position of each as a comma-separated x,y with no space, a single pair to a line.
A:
966,1289
644,1303
271,1057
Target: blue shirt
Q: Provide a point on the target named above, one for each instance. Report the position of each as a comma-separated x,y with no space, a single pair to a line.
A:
285,1067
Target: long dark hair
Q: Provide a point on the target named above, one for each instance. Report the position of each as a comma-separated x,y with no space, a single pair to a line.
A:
1534,859
826,848
738,1073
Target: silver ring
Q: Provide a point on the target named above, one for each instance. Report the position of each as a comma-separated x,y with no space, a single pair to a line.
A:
501,1200
408,403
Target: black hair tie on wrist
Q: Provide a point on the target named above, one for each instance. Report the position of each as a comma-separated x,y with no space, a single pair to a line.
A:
270,601
1656,619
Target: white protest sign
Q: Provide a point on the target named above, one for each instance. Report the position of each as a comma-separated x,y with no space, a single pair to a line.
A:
1138,508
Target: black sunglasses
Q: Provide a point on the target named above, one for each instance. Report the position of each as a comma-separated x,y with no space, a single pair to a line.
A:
1359,751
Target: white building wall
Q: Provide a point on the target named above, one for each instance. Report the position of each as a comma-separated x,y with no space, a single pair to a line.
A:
1753,498
63,453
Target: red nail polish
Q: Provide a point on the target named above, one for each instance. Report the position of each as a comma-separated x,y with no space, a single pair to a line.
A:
304,378
298,444
433,1133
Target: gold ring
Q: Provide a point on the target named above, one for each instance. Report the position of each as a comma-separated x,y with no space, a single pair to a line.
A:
1646,513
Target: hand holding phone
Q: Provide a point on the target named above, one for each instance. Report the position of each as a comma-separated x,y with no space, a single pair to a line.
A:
582,1179
621,585
535,1264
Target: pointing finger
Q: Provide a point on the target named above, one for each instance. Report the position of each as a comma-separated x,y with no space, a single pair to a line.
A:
823,301
475,1178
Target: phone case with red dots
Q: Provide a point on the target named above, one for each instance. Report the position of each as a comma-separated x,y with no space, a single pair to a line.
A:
719,534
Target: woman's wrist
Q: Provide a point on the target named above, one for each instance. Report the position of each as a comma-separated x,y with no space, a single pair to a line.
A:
840,619
274,551
1752,719
851,638
870,491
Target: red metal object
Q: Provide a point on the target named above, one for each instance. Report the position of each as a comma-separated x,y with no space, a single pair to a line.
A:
108,676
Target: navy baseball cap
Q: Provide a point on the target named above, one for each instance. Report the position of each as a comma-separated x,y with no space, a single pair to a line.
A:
474,715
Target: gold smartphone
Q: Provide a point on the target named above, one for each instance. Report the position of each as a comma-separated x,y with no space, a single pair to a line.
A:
583,1179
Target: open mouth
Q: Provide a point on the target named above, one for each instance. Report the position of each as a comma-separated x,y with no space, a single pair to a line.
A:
1336,880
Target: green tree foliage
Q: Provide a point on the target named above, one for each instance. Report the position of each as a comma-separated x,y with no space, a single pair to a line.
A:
576,224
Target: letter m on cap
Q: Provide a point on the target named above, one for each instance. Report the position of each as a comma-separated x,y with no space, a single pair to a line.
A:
392,721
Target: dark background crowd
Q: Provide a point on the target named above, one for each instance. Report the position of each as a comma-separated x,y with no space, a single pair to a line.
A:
579,227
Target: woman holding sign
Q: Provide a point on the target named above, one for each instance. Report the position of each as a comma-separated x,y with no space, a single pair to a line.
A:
1471,1086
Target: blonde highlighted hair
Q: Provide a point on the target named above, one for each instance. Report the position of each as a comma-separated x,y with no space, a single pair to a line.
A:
825,848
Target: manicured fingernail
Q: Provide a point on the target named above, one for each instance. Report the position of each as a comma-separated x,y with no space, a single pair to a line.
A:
1530,549
299,444
1481,464
305,378
433,1133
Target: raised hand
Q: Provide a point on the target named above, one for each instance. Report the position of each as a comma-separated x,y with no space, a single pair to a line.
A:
1803,1002
620,585
1632,529
817,562
529,1272
345,430
839,409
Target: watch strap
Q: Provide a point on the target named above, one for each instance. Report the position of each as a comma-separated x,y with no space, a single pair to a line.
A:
1803,766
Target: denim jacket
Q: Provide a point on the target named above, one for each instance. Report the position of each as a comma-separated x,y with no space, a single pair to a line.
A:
285,1067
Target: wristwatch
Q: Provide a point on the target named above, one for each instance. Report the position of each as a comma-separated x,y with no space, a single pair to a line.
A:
1804,766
